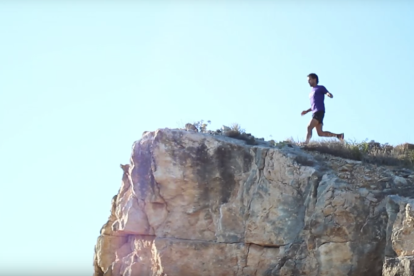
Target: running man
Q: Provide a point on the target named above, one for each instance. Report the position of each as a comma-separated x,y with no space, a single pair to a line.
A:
317,97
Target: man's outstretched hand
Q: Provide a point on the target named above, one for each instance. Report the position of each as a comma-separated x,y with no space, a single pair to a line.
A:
329,95
304,112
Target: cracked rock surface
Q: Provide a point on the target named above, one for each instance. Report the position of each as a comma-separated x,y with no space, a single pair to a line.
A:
197,204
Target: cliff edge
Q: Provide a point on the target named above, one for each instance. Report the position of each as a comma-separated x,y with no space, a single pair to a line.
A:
200,204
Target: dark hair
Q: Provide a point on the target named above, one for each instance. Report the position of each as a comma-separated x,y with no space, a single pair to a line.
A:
314,76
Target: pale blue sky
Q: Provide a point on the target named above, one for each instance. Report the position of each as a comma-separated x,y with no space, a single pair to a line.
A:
80,82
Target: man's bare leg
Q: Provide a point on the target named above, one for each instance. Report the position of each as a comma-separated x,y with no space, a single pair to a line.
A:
313,123
327,133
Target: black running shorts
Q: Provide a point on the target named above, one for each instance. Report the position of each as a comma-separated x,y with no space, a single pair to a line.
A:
318,115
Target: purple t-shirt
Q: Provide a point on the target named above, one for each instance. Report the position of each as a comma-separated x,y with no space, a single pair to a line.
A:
317,97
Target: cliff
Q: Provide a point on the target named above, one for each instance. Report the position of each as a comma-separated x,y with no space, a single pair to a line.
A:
200,204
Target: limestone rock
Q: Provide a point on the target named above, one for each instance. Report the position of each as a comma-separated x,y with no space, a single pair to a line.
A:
401,266
198,204
400,228
191,127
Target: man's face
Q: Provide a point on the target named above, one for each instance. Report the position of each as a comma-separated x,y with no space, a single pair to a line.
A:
312,82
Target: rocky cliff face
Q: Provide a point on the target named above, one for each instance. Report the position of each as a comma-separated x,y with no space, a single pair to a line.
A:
198,204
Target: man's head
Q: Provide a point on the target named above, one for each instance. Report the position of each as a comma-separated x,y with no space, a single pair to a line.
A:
313,79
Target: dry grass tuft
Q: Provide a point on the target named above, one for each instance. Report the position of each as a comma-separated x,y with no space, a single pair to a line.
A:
369,152
237,128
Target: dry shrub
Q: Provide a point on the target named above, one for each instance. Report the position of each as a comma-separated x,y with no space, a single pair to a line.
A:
373,153
237,128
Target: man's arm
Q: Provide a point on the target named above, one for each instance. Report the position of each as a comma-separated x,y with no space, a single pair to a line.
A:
306,111
326,92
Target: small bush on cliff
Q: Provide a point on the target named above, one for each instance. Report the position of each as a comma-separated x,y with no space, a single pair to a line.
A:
237,128
201,126
235,131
